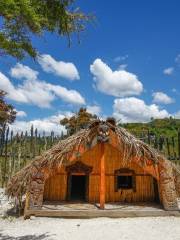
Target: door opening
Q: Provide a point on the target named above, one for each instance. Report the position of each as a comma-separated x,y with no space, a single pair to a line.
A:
78,187
156,191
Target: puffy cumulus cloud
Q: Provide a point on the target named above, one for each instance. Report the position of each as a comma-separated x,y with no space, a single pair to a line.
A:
20,114
63,69
136,110
163,98
21,71
70,96
168,71
119,83
94,109
30,92
13,93
46,125
5,83
36,92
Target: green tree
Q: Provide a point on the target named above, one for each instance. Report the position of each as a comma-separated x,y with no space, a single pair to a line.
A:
21,19
7,112
79,121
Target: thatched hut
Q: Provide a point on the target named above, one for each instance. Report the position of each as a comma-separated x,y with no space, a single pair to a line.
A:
102,163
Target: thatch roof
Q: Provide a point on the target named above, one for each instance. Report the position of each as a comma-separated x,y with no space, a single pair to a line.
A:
63,151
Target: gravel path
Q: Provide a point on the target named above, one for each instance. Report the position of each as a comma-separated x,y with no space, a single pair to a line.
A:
159,228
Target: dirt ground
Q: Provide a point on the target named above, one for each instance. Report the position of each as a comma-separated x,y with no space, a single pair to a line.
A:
149,228
161,228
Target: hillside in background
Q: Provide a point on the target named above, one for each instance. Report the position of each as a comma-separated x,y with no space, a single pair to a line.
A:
166,127
161,134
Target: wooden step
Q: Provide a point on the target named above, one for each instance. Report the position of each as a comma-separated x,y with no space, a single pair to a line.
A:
100,213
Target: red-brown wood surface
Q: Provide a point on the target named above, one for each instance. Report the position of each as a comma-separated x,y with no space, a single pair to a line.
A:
102,178
56,185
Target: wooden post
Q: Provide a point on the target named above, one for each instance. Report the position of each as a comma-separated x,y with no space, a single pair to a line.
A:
26,208
102,178
168,148
179,144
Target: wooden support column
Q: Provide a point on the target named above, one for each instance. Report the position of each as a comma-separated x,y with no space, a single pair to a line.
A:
26,216
102,177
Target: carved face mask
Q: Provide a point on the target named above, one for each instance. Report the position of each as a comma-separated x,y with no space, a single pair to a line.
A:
103,133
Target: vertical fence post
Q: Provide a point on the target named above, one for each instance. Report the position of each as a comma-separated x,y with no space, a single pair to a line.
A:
168,148
179,144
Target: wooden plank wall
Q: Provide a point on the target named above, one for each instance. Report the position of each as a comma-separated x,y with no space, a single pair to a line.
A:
144,184
144,191
56,186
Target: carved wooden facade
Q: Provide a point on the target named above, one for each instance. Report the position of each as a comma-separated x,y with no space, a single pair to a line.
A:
102,162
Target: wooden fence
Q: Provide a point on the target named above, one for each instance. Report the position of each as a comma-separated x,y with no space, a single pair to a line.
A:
169,146
18,150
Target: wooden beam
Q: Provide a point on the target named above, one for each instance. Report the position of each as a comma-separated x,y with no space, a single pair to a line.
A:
102,177
26,216
119,213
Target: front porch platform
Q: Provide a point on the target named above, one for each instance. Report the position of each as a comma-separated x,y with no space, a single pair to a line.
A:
87,210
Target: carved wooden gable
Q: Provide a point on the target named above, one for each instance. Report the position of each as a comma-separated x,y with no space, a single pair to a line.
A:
79,167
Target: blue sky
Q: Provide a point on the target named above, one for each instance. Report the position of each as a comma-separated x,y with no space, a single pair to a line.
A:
127,65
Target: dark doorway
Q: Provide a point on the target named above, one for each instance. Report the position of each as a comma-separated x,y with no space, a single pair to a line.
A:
156,191
78,187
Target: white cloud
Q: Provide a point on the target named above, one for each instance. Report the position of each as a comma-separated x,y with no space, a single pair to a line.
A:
136,110
12,91
177,114
20,114
46,125
174,90
177,59
160,97
168,71
36,92
23,72
122,66
94,109
120,58
30,91
119,83
70,96
63,69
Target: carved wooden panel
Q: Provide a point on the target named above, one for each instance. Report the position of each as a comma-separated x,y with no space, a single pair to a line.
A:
79,167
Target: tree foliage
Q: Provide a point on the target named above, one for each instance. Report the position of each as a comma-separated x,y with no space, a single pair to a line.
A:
79,121
166,126
21,19
7,112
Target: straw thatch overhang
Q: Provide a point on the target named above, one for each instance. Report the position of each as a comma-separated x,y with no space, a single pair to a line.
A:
31,178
